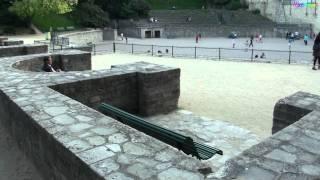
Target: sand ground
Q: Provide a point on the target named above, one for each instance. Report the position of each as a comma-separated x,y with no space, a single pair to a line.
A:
242,93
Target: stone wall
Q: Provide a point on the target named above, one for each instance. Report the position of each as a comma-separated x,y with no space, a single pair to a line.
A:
69,140
274,10
7,51
60,60
92,36
146,92
179,31
292,152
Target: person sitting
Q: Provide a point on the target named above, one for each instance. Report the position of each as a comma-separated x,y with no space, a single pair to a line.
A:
263,56
47,65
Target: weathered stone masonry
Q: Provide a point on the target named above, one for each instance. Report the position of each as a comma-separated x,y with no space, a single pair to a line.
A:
68,140
19,50
291,153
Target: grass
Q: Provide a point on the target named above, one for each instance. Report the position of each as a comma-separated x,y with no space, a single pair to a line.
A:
53,20
179,4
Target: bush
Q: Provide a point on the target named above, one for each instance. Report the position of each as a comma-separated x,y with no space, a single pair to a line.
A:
53,20
234,5
91,15
256,11
9,30
140,7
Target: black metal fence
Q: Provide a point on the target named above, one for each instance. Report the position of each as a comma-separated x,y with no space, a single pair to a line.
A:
247,54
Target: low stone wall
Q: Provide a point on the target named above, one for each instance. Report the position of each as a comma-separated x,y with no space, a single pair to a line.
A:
60,60
92,36
11,42
292,153
69,140
146,92
7,51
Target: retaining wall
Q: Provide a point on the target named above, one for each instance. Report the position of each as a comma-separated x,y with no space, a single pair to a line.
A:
92,36
7,51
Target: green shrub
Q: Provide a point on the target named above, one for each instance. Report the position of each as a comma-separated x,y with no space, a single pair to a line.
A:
236,5
140,7
53,20
90,15
256,11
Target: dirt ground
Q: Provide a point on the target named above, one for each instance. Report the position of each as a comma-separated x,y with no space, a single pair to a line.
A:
238,92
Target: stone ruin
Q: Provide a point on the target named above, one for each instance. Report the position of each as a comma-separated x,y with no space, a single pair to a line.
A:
53,118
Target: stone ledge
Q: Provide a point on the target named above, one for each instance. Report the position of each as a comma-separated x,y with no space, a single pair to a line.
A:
291,153
68,140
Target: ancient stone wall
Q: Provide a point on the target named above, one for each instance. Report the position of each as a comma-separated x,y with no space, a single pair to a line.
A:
65,62
276,11
292,152
7,51
144,92
92,36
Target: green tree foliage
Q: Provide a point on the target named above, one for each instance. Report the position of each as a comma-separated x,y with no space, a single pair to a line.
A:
122,9
31,8
7,17
90,15
140,8
227,4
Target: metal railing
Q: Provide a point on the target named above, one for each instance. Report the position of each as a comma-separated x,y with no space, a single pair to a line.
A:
234,54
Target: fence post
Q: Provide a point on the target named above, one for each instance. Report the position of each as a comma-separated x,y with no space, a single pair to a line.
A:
219,53
195,52
252,54
171,51
152,50
132,48
94,49
289,54
114,47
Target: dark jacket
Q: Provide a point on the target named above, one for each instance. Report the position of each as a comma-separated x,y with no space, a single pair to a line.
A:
47,68
316,50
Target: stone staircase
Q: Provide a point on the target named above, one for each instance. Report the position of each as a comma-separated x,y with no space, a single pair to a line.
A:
207,17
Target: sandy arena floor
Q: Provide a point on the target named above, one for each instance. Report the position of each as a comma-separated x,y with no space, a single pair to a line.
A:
238,92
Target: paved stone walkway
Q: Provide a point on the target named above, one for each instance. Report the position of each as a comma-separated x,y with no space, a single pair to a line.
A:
231,139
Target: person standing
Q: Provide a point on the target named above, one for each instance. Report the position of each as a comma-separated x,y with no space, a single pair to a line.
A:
305,39
197,38
251,41
316,52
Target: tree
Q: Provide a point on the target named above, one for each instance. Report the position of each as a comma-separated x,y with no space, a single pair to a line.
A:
91,15
140,7
30,8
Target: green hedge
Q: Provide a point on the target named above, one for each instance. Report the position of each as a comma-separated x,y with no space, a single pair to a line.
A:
179,4
53,20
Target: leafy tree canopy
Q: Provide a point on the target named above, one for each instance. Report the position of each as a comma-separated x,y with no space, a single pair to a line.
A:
30,8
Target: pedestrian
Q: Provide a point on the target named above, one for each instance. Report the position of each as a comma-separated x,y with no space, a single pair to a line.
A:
251,41
233,42
305,39
260,38
197,38
121,36
126,40
316,52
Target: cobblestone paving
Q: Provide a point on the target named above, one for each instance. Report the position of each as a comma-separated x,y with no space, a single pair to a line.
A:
231,139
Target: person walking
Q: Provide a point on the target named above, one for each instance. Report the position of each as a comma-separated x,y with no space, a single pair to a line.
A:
251,41
197,38
305,39
316,52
